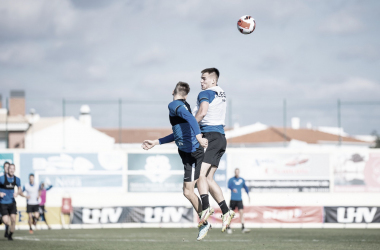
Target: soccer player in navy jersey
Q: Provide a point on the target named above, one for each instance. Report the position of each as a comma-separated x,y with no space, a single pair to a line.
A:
210,113
236,184
188,138
7,199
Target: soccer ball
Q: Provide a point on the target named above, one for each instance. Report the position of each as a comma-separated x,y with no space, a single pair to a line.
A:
246,25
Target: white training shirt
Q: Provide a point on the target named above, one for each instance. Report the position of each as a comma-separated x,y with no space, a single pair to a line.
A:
32,191
216,113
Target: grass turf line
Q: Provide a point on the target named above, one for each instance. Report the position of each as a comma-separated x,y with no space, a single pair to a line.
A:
165,238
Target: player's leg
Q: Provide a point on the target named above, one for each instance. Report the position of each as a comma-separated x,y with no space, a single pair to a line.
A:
36,215
215,190
43,216
233,205
13,225
7,223
203,191
30,220
188,192
241,212
217,194
189,179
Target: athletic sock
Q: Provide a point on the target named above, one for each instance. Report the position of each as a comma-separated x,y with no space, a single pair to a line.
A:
205,203
6,228
223,206
242,226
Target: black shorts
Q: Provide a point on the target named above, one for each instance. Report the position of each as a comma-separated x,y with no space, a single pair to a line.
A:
32,208
217,144
8,209
41,209
192,163
234,204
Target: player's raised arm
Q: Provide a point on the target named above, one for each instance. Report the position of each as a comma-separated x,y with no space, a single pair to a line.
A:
148,144
185,114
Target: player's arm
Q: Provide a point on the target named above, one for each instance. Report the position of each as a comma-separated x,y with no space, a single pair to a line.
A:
230,184
2,183
202,111
204,101
185,114
19,189
148,144
49,187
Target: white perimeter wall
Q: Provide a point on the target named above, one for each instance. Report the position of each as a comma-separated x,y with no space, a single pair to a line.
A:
120,197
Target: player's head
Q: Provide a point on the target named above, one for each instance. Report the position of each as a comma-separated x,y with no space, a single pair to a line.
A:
42,186
6,166
209,78
31,178
182,89
237,172
11,170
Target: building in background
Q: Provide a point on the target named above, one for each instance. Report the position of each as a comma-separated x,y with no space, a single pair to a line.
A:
260,135
13,122
68,133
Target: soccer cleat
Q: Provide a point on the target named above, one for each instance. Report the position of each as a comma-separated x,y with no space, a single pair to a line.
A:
10,237
203,230
226,219
205,214
6,234
31,231
245,231
229,230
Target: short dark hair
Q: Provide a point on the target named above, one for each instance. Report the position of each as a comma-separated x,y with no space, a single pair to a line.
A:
210,71
6,163
12,164
182,88
31,175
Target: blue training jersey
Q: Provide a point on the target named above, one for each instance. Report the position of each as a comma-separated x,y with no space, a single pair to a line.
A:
237,184
184,126
8,198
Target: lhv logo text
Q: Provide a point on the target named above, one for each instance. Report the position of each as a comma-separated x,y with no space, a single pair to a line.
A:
357,215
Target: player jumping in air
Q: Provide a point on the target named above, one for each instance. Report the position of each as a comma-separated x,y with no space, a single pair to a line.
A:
32,205
7,199
210,113
188,138
236,184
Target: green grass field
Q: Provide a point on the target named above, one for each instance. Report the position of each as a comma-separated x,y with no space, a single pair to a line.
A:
292,239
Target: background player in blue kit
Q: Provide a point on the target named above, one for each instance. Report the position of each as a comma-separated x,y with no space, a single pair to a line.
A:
188,138
7,199
236,184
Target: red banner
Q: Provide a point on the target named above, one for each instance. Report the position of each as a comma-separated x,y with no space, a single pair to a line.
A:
275,215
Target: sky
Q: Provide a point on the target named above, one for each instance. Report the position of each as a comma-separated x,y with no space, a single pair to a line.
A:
310,53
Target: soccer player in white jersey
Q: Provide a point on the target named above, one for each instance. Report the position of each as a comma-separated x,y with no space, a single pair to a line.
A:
210,113
32,208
